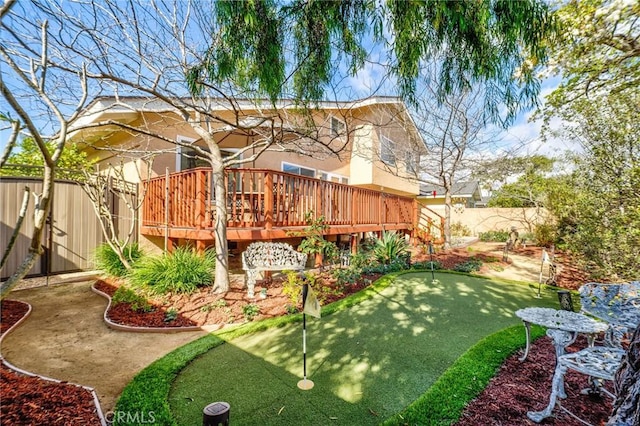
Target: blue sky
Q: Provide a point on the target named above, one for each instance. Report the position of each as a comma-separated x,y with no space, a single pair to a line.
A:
361,85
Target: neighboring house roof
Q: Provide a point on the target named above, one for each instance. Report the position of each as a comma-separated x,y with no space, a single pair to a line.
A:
458,190
484,202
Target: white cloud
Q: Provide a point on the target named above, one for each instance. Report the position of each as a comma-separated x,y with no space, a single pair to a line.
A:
526,132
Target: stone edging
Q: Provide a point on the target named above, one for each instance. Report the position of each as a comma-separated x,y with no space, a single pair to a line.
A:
135,329
96,401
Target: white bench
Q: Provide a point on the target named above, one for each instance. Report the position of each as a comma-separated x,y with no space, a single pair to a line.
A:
266,256
618,304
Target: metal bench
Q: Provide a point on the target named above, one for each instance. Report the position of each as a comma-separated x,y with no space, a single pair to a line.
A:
267,256
617,304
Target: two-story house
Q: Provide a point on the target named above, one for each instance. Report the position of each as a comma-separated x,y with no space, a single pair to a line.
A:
354,163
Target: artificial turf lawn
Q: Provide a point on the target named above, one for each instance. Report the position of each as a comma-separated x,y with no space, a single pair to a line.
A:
368,362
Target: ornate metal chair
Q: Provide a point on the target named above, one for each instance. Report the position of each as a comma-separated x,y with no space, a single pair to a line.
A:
599,362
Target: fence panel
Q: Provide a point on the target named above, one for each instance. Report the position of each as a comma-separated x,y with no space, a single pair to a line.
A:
76,230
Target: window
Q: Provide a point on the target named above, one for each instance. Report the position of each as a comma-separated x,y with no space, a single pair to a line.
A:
332,177
337,127
387,150
298,170
188,158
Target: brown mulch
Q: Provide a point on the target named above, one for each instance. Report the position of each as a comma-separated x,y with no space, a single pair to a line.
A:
12,311
517,388
204,307
28,400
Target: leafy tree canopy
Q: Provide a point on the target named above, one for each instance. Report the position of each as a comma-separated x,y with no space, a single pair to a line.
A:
27,160
497,42
601,217
538,184
527,190
598,53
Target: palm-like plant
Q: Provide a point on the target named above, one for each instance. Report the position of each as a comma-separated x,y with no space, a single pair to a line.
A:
392,247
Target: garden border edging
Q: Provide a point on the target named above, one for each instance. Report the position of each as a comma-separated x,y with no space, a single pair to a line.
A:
12,367
134,329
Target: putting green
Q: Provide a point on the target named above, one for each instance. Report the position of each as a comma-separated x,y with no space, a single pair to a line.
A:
367,362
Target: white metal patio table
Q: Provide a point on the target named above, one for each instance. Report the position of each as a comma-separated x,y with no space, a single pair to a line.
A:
562,326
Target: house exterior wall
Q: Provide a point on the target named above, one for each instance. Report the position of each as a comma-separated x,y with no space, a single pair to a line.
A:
437,203
359,160
367,166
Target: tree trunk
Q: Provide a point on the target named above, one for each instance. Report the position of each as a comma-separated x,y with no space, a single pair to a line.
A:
221,284
23,269
40,214
447,219
626,408
16,231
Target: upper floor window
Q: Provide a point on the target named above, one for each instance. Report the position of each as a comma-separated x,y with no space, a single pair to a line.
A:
387,150
332,177
298,170
189,158
337,127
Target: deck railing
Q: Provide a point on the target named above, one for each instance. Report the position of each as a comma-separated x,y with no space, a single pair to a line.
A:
266,199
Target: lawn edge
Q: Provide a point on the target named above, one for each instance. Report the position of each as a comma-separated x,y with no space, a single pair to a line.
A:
444,402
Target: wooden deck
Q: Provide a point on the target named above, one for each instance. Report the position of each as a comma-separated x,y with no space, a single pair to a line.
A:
266,204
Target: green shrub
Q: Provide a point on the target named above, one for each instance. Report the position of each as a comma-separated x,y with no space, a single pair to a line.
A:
396,265
181,271
250,311
392,247
170,315
314,242
471,265
107,260
292,287
218,304
527,238
126,295
346,276
426,264
545,235
291,309
495,236
460,230
361,259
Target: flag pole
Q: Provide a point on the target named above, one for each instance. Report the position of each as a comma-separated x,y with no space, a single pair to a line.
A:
304,384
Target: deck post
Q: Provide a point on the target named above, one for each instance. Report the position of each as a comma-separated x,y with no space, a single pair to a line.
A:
353,242
268,201
200,199
414,220
354,207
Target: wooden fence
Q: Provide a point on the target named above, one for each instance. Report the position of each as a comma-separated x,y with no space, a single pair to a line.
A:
69,244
